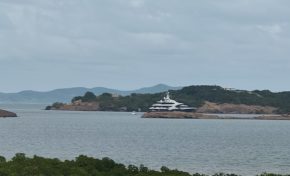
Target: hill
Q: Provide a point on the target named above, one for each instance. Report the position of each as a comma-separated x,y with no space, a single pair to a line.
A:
65,95
196,96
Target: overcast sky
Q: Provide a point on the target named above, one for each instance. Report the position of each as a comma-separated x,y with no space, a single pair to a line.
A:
127,44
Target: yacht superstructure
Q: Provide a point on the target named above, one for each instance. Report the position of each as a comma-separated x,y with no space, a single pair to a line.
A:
167,104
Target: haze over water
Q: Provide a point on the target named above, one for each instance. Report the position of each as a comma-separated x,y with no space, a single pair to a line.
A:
246,147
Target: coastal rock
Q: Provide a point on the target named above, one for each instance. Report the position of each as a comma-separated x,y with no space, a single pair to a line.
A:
76,106
273,117
4,113
178,115
227,108
192,115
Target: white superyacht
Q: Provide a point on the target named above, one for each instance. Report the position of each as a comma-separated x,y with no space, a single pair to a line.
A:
167,104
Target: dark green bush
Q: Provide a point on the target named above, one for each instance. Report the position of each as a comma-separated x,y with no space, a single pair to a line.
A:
20,165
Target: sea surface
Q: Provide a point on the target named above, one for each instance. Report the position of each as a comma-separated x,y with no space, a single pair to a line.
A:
245,147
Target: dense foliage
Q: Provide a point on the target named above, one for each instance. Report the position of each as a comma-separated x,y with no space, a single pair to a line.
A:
196,95
193,96
20,165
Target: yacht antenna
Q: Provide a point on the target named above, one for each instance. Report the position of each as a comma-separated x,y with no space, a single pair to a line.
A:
167,95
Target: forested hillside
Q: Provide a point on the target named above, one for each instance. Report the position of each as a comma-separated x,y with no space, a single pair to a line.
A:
192,95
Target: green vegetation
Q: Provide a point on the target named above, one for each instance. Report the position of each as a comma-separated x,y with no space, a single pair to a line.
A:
20,165
56,105
196,95
88,97
193,96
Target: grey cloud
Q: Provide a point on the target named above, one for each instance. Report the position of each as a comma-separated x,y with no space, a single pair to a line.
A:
203,42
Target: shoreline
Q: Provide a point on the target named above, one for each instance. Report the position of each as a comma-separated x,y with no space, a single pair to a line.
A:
194,115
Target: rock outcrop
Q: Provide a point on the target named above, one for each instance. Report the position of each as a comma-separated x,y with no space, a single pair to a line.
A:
76,106
192,115
4,113
273,117
178,115
227,108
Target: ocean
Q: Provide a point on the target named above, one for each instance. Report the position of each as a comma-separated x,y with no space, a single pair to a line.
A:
245,147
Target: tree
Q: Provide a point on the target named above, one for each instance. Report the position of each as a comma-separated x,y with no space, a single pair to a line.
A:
2,160
89,97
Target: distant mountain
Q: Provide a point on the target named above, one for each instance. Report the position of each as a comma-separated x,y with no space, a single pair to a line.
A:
65,95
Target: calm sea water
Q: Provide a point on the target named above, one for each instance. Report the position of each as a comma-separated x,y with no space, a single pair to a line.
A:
246,147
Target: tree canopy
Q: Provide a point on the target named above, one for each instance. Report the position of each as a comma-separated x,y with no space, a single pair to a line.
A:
21,165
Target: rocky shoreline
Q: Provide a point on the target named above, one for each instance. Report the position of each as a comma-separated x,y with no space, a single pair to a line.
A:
76,106
227,108
4,113
177,115
193,115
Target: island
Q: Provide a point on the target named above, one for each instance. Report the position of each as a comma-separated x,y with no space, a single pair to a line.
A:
205,99
4,113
